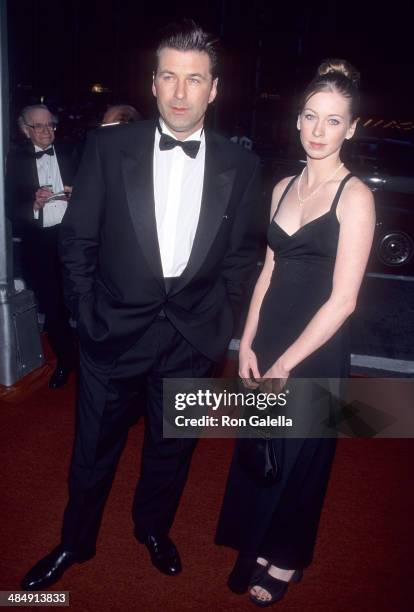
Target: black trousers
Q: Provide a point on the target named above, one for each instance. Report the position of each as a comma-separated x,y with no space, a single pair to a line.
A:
42,271
105,395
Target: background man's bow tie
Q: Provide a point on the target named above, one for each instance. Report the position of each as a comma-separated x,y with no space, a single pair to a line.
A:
190,147
40,154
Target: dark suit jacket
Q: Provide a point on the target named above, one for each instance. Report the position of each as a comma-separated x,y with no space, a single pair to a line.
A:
109,246
22,182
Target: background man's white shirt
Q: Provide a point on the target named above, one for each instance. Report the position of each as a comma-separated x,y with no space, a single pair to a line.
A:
49,174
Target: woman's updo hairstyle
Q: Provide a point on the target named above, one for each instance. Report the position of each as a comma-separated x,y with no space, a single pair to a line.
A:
336,75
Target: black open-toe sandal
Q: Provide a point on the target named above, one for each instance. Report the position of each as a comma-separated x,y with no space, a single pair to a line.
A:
258,573
246,572
275,587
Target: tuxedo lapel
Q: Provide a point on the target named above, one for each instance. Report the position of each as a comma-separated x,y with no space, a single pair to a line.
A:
137,169
217,187
31,174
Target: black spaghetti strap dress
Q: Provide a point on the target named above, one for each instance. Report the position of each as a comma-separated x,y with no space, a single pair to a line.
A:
280,522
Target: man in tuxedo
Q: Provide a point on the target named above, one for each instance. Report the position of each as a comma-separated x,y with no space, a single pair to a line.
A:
156,246
33,174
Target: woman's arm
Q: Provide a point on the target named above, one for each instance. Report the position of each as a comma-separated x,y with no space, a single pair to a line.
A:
357,224
247,358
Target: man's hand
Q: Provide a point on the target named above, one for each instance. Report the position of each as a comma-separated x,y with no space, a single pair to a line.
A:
41,196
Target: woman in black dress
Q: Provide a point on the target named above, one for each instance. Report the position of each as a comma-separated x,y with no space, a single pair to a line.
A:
319,239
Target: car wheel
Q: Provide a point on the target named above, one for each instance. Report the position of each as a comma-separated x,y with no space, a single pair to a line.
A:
395,248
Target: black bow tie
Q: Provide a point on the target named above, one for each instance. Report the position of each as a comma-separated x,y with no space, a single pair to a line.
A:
40,154
190,147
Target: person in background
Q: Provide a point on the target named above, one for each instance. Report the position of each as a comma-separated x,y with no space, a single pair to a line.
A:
33,174
120,113
240,137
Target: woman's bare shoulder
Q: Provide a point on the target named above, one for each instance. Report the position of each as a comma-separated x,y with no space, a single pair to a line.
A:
278,190
281,185
357,199
357,189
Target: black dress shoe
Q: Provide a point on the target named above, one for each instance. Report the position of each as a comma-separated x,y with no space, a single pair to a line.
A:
51,568
164,555
59,377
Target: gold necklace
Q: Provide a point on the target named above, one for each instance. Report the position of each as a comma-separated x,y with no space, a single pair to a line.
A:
330,177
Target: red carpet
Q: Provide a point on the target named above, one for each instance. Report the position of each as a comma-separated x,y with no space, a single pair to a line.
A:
362,562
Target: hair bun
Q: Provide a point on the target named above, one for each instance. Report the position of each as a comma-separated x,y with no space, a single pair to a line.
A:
339,66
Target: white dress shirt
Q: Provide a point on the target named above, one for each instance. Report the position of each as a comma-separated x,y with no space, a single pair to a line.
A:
49,174
178,188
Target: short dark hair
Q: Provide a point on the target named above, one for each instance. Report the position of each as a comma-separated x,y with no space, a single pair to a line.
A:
120,113
186,35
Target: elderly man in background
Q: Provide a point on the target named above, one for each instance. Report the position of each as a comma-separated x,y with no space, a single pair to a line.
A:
38,184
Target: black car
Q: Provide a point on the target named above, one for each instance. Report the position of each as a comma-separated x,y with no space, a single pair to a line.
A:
386,165
393,251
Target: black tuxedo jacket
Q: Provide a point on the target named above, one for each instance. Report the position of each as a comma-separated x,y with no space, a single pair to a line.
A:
22,182
113,277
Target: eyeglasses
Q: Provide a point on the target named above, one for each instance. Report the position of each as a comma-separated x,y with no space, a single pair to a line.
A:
40,127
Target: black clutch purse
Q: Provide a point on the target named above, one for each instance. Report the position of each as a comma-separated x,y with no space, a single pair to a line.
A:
261,458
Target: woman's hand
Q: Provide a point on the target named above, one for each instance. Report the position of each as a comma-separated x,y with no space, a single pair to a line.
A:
276,377
248,369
